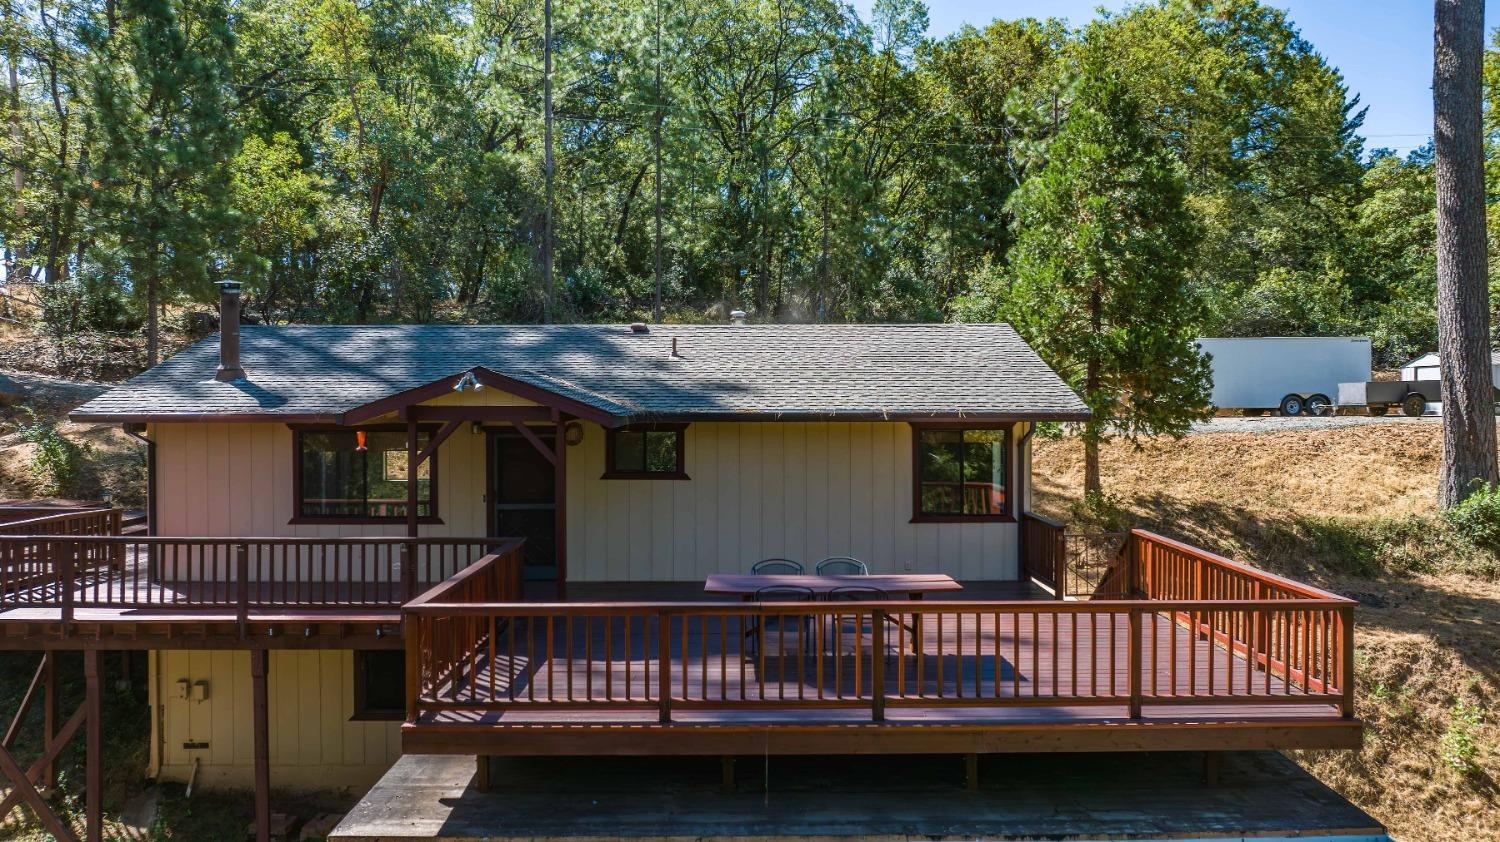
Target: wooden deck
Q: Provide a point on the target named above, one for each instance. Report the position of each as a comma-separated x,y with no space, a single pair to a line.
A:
1207,655
999,678
83,591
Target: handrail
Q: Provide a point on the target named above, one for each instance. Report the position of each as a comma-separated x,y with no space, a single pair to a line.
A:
100,522
1146,540
504,551
936,606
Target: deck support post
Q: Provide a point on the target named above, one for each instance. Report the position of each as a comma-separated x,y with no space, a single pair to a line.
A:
877,665
482,773
242,589
1060,566
664,668
1133,644
409,549
49,716
93,784
971,771
259,662
560,514
726,773
1211,767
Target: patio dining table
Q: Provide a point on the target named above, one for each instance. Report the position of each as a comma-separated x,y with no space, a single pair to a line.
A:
914,585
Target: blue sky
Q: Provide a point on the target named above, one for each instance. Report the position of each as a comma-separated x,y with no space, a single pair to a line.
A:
1383,48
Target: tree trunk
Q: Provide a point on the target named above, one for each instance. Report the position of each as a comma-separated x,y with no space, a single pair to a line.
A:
1092,430
153,323
547,162
18,170
656,311
1091,483
1462,275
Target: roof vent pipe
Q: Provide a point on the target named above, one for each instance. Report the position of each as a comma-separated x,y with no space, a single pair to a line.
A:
229,332
737,317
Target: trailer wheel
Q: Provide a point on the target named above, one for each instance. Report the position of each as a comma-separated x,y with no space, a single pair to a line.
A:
1291,405
1413,405
1320,406
1379,410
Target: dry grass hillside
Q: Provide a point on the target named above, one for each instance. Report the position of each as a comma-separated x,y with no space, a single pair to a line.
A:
1352,510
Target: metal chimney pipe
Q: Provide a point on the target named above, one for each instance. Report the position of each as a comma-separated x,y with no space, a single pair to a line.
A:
229,332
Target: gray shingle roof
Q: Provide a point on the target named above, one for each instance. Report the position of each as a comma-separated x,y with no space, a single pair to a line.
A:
752,371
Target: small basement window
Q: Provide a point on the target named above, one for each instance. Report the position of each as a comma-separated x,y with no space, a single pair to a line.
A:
653,451
961,473
349,475
379,684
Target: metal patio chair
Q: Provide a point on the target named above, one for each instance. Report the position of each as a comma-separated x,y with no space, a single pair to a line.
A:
779,622
870,593
842,565
777,567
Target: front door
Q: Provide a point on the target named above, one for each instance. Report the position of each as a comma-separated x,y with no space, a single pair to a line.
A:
523,499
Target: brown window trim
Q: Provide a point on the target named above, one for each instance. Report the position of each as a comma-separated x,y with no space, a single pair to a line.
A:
1008,516
361,712
299,519
609,452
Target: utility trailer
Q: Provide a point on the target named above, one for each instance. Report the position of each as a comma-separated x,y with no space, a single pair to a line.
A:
1381,396
1293,375
1410,396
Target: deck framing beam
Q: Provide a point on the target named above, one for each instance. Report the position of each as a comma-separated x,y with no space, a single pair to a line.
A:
94,749
682,739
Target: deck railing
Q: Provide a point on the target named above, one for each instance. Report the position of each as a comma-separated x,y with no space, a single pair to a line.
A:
1164,569
23,570
236,575
489,658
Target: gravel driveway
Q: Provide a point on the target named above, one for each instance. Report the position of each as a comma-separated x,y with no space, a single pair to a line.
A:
1277,424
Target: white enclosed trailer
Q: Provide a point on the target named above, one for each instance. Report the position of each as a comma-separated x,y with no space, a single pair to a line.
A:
1292,374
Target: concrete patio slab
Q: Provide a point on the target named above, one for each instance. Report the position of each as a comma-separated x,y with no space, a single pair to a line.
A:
1079,797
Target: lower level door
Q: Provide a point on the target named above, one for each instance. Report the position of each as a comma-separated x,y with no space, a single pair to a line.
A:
523,499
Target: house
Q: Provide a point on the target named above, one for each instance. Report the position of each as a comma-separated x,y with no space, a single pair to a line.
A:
499,540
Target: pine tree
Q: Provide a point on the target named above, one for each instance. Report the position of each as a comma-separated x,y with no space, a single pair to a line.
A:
1469,458
166,135
1100,285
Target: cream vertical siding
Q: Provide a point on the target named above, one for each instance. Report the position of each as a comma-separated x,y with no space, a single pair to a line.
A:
314,745
757,490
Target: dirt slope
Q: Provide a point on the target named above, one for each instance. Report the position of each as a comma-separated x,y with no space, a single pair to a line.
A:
1318,504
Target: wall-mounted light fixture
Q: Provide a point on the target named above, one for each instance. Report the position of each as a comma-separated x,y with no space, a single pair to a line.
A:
573,434
468,383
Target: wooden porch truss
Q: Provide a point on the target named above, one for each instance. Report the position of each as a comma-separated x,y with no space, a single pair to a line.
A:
42,771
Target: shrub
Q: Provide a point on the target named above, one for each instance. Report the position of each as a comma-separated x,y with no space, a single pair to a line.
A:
57,464
1460,744
1477,518
1101,510
1369,546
